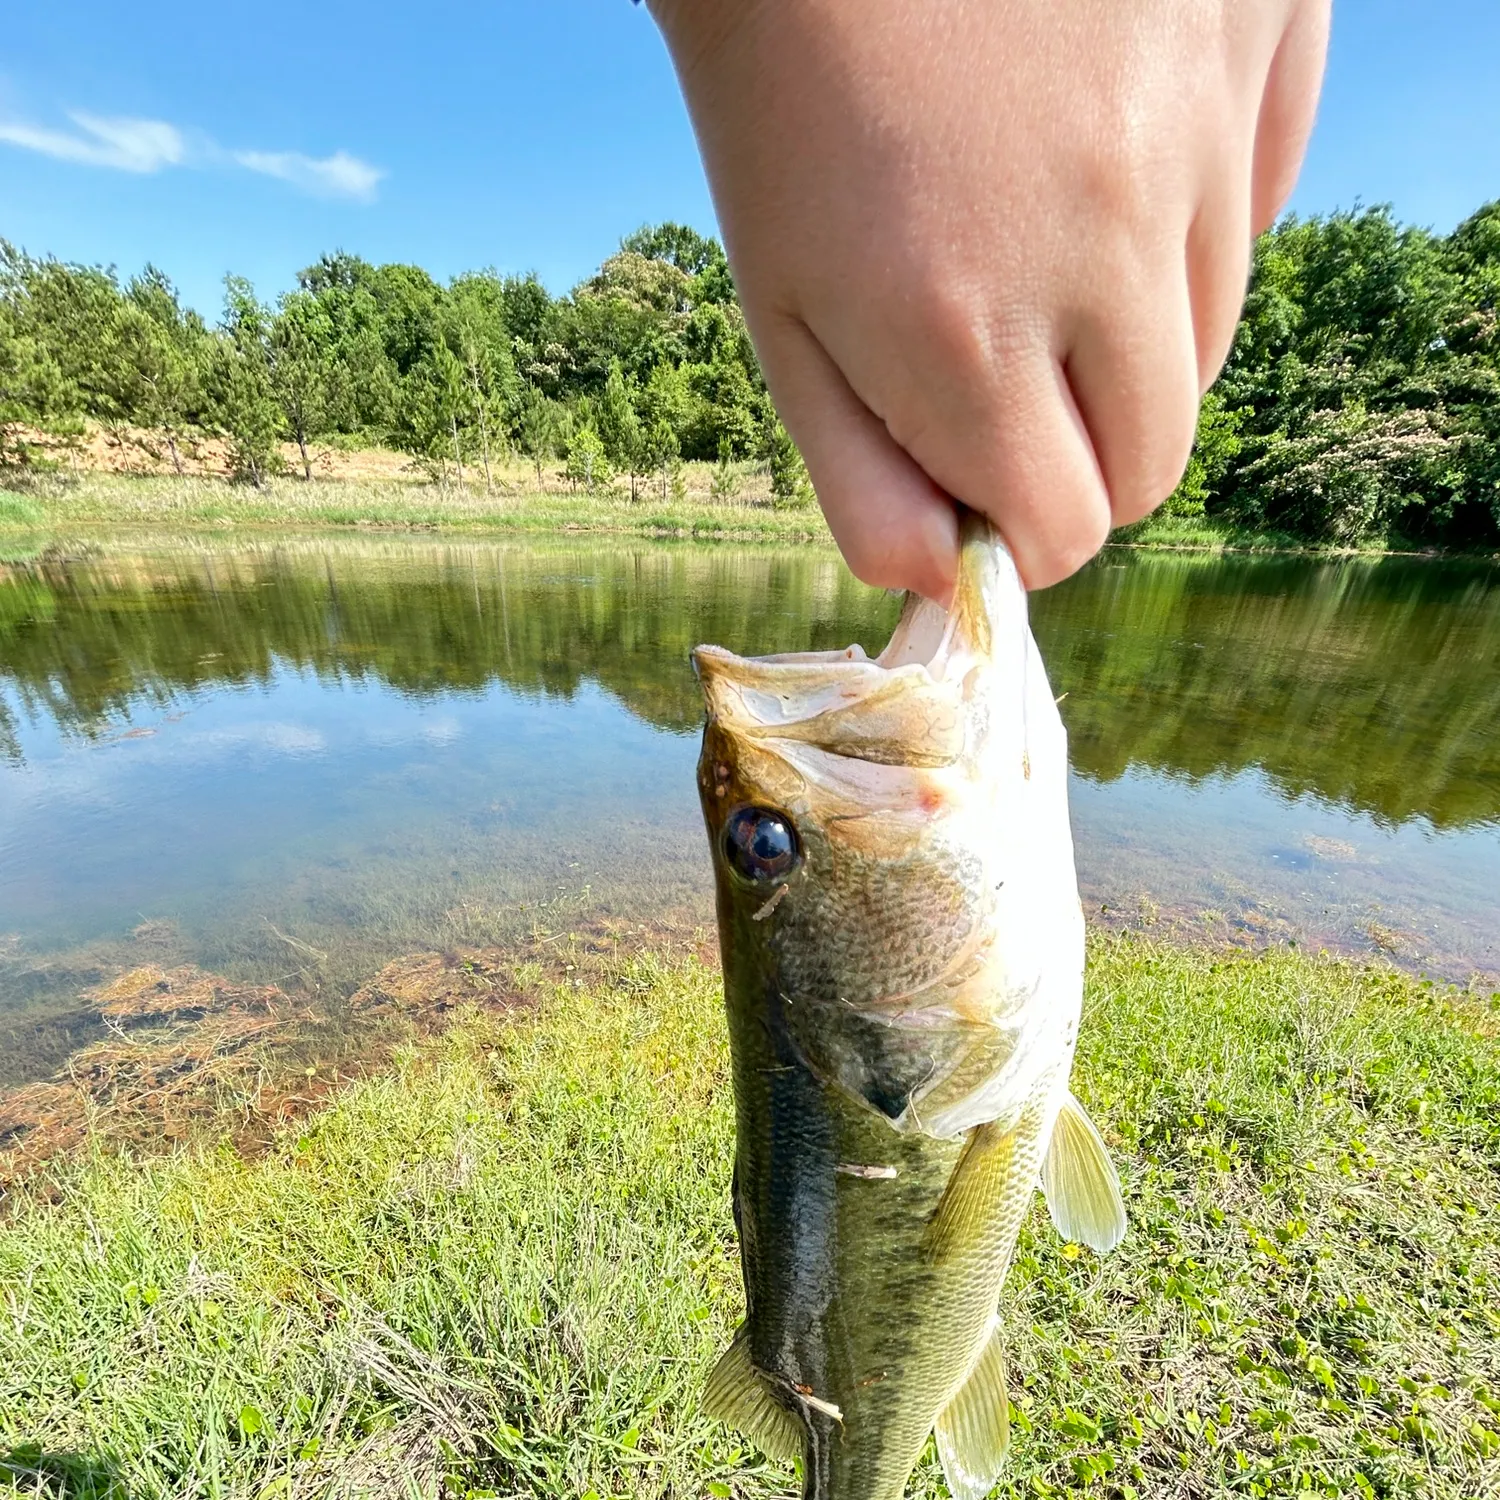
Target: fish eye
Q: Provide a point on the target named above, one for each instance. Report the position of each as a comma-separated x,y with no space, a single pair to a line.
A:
760,844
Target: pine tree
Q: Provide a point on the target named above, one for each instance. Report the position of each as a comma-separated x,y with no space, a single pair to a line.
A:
619,426
244,402
790,487
298,346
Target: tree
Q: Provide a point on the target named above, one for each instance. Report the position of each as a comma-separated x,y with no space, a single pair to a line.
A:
537,428
157,379
1214,448
72,313
363,396
35,395
244,399
677,244
619,427
789,483
478,377
433,397
660,451
162,351
1361,398
725,483
588,464
299,349
409,308
452,399
476,328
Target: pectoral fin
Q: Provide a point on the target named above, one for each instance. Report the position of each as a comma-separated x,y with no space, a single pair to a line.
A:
737,1395
974,1429
966,1211
1083,1192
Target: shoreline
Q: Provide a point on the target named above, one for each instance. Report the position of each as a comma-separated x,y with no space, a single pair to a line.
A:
100,503
162,1015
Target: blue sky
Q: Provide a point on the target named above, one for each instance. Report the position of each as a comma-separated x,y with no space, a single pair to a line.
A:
526,134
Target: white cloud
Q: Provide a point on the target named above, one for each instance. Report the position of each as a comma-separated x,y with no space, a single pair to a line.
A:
128,145
336,176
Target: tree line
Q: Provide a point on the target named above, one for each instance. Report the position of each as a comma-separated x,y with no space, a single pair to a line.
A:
641,366
1360,402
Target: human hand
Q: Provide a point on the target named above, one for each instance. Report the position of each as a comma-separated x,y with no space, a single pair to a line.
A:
993,250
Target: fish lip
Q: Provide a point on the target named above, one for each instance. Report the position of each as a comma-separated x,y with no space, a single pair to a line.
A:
931,647
759,694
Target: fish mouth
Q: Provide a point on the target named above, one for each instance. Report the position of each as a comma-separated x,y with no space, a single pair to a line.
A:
902,707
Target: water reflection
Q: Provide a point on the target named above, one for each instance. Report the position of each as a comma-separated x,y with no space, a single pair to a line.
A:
290,762
1372,685
86,641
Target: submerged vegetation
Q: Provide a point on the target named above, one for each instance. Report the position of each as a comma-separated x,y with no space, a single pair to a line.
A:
1360,405
504,1266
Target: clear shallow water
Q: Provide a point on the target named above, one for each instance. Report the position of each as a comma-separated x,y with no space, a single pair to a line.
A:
296,760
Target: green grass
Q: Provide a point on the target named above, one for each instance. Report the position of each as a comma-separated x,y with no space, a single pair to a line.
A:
91,501
19,512
1162,530
1207,533
508,1263
96,500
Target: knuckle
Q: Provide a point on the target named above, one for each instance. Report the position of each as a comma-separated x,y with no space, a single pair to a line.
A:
1053,538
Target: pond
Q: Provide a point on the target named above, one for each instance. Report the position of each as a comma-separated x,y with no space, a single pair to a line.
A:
291,760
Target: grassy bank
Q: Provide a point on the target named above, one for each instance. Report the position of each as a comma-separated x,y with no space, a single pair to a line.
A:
94,501
97,500
1210,534
506,1264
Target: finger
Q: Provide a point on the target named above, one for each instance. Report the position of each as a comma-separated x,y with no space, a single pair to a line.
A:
1134,374
1219,244
1287,110
895,527
1019,453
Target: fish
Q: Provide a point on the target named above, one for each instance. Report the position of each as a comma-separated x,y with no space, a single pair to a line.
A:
903,951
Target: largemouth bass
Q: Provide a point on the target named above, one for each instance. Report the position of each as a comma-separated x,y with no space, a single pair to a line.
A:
903,971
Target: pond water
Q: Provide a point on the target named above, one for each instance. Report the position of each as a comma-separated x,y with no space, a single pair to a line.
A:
292,760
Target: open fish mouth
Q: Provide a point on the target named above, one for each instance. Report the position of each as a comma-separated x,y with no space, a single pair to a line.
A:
902,707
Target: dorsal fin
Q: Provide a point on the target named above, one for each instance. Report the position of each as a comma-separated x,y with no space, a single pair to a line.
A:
1083,1192
974,1428
737,1395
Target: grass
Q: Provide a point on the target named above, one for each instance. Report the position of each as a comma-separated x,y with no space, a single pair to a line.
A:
1210,534
93,500
503,1267
1160,529
19,512
96,500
